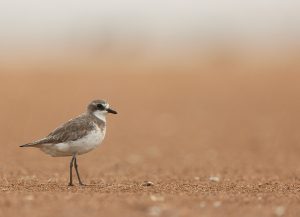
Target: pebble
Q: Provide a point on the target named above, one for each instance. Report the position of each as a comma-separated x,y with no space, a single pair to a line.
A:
29,197
214,178
157,198
217,204
148,183
154,211
279,211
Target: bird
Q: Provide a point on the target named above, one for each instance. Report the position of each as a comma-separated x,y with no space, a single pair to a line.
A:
77,136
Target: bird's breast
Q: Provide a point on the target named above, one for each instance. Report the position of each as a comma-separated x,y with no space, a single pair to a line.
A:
91,140
87,143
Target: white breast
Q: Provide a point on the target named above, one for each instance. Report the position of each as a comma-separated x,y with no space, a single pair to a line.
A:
80,146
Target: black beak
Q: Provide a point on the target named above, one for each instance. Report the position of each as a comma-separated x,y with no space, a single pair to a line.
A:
111,111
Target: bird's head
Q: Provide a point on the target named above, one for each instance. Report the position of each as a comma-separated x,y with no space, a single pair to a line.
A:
100,108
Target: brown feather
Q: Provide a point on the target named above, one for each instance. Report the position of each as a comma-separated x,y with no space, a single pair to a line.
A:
72,130
75,129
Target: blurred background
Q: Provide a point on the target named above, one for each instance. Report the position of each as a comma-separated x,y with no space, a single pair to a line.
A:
201,87
204,81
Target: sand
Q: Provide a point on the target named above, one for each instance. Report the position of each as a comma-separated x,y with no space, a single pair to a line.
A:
209,144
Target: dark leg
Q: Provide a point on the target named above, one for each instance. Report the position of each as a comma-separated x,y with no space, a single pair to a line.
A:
71,166
76,168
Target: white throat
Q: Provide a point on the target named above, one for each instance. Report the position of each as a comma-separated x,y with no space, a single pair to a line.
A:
100,115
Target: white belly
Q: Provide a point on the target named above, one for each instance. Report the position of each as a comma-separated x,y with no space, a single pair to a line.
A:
81,146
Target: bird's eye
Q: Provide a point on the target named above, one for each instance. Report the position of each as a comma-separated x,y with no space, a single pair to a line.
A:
100,106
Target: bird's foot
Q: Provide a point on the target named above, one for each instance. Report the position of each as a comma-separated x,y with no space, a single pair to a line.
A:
82,184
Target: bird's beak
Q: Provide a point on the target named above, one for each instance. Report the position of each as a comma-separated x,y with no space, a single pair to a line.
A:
111,111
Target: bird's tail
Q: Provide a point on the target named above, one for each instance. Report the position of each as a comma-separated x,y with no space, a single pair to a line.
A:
36,143
27,145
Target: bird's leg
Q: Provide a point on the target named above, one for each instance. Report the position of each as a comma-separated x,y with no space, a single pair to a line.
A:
76,168
71,166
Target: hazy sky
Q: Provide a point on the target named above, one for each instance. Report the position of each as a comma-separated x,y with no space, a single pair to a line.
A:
64,19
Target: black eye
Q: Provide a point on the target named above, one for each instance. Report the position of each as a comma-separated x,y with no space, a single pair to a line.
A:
100,107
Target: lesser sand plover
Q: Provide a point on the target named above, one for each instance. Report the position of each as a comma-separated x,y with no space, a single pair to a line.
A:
77,136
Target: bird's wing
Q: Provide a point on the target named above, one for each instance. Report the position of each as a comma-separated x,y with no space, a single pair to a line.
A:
70,131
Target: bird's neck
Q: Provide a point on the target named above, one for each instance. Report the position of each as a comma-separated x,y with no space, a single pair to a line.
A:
100,115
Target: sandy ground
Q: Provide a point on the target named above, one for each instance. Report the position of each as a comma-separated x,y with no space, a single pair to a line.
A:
212,144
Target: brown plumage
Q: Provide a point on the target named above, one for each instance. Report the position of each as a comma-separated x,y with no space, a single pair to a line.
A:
74,129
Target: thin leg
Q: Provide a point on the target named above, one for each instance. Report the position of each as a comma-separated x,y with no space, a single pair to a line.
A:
76,168
71,166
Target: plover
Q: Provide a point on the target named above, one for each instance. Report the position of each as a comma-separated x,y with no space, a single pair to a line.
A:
77,136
